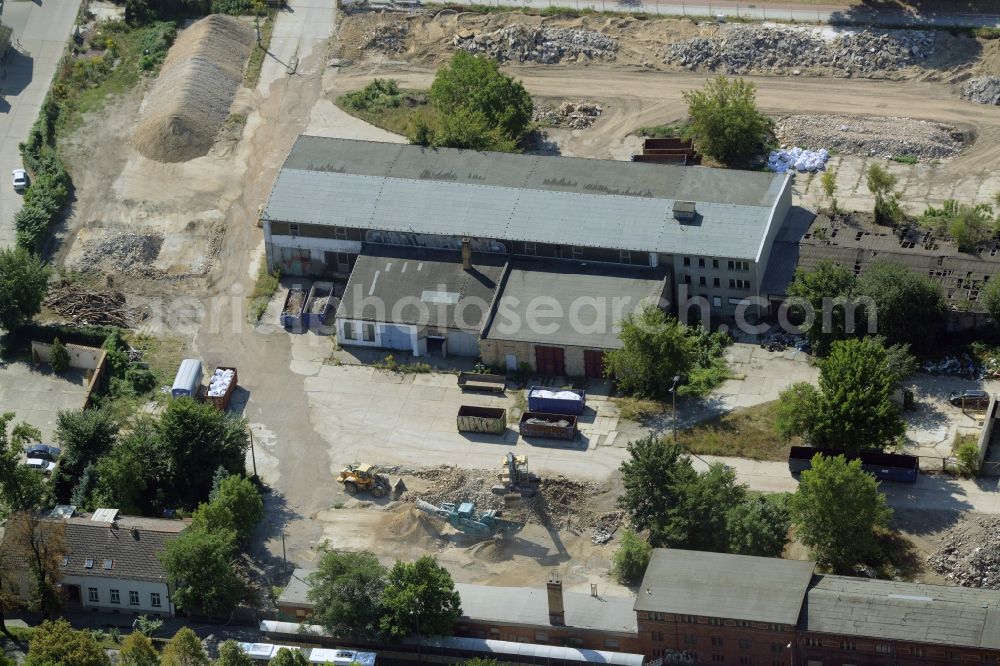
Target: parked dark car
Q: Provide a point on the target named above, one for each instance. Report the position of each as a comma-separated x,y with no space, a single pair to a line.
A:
43,451
970,398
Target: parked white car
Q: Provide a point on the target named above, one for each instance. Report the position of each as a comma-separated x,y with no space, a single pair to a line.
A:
20,177
37,463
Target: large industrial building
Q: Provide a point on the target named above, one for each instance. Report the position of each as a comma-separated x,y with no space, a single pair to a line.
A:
561,228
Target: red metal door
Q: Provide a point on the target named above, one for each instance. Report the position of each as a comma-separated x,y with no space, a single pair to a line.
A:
550,361
593,363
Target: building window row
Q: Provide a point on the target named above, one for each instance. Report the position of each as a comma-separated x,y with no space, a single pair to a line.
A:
94,596
701,262
737,283
739,265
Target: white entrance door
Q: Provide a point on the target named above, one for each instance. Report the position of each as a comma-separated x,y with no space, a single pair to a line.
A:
511,362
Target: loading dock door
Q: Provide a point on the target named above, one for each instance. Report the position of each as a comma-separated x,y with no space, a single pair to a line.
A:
396,337
550,361
593,363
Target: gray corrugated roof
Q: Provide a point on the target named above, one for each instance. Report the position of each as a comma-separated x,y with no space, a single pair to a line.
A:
408,284
736,587
609,204
297,589
903,611
529,606
574,303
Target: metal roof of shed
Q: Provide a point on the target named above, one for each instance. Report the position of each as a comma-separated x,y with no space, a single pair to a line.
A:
607,204
893,610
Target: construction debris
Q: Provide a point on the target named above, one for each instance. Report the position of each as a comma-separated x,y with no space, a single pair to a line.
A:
798,159
982,90
781,50
123,252
606,525
970,554
528,43
386,37
569,115
868,136
83,305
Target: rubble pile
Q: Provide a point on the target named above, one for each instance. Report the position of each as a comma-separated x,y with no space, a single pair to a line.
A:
81,304
386,37
560,502
569,115
868,136
526,43
798,159
982,90
970,555
124,252
744,49
606,525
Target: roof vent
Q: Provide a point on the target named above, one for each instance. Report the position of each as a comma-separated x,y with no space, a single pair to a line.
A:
684,211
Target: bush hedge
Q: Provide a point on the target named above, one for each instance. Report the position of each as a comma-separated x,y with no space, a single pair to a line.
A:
50,184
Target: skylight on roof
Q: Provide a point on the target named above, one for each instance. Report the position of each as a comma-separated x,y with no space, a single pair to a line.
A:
107,564
89,564
65,561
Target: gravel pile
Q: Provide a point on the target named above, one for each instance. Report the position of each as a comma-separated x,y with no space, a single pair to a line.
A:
525,43
982,90
870,135
571,115
387,38
124,252
744,49
970,555
190,100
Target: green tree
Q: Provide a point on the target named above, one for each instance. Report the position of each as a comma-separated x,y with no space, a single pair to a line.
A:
185,649
797,412
967,225
654,477
236,506
346,592
289,657
655,348
989,297
131,475
84,436
197,439
40,544
910,308
854,411
21,487
474,89
837,512
200,564
881,183
824,290
59,357
759,526
55,643
631,559
420,598
231,654
138,650
481,661
724,121
901,362
829,182
700,522
24,279
148,625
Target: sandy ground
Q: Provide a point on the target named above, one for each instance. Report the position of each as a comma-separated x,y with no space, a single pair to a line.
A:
206,209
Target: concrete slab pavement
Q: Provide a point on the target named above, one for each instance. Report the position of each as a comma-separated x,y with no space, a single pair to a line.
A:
41,30
36,396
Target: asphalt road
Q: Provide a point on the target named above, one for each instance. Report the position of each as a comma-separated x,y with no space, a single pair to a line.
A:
41,29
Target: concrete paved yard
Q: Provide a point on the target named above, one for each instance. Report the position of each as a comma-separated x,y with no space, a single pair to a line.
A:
36,395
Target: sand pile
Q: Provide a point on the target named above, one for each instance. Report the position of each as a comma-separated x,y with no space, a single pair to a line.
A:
190,100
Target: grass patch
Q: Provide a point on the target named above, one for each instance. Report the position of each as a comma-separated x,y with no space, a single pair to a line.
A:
678,131
383,104
904,159
640,410
252,73
263,290
390,364
85,83
745,433
520,406
162,355
986,33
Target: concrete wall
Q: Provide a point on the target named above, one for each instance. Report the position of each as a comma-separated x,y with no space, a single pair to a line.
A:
494,352
90,359
104,586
